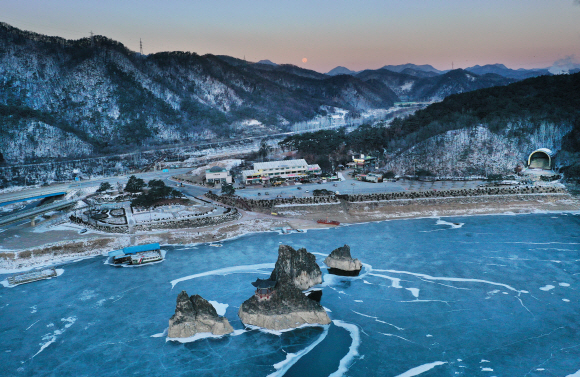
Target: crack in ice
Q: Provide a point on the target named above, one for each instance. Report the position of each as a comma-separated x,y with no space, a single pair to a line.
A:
246,269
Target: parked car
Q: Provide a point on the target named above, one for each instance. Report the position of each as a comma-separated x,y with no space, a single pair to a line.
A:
298,188
306,191
266,193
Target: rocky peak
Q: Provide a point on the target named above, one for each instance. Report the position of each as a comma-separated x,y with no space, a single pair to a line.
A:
341,253
196,315
340,262
287,308
299,266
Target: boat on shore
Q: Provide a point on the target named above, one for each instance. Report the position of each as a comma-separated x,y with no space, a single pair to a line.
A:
328,222
31,276
136,255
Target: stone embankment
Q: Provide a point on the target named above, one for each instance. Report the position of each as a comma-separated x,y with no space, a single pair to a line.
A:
261,205
266,204
481,191
230,214
194,315
109,228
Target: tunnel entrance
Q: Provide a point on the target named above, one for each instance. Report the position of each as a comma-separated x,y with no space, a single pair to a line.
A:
540,159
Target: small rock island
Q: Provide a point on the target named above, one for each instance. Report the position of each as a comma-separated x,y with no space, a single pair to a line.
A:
278,303
340,262
298,265
194,315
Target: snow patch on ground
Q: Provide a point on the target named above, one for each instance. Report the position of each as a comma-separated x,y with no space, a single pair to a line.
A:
219,308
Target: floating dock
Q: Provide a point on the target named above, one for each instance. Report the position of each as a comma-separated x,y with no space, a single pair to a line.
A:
30,276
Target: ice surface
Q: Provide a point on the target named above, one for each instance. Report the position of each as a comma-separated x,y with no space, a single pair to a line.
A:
577,374
247,269
346,361
196,337
421,369
564,284
378,320
48,339
424,276
547,288
461,309
280,332
291,358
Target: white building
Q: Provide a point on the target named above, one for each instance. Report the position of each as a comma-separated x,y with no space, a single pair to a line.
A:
218,174
286,169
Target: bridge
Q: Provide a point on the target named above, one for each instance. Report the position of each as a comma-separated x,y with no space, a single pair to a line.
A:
37,193
33,212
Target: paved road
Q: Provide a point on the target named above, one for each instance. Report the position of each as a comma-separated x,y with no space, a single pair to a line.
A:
66,187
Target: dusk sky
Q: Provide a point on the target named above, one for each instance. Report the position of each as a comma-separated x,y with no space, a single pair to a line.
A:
354,34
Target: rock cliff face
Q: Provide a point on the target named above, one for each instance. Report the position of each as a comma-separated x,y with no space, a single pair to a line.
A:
340,262
195,315
298,265
287,308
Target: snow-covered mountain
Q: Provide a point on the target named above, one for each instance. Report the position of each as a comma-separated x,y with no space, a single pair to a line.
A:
502,70
434,88
402,67
340,70
67,98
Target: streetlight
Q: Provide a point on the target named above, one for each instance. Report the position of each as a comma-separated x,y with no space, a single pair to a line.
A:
353,184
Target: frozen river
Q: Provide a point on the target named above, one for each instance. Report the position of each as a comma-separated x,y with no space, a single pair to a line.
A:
465,296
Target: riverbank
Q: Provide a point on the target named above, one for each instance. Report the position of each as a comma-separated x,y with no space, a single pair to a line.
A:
296,216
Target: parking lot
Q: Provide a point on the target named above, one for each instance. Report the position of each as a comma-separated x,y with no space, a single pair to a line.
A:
351,186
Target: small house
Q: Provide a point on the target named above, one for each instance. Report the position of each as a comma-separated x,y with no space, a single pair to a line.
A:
218,174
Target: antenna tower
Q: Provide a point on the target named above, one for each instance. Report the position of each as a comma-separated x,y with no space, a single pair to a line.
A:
92,39
140,46
451,65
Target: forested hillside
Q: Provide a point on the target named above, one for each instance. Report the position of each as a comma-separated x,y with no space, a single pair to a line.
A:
63,98
488,131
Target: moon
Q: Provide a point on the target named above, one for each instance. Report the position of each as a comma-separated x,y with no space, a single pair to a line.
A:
304,60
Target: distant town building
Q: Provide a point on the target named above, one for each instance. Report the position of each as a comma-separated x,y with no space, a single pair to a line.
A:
370,177
363,162
285,170
218,174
